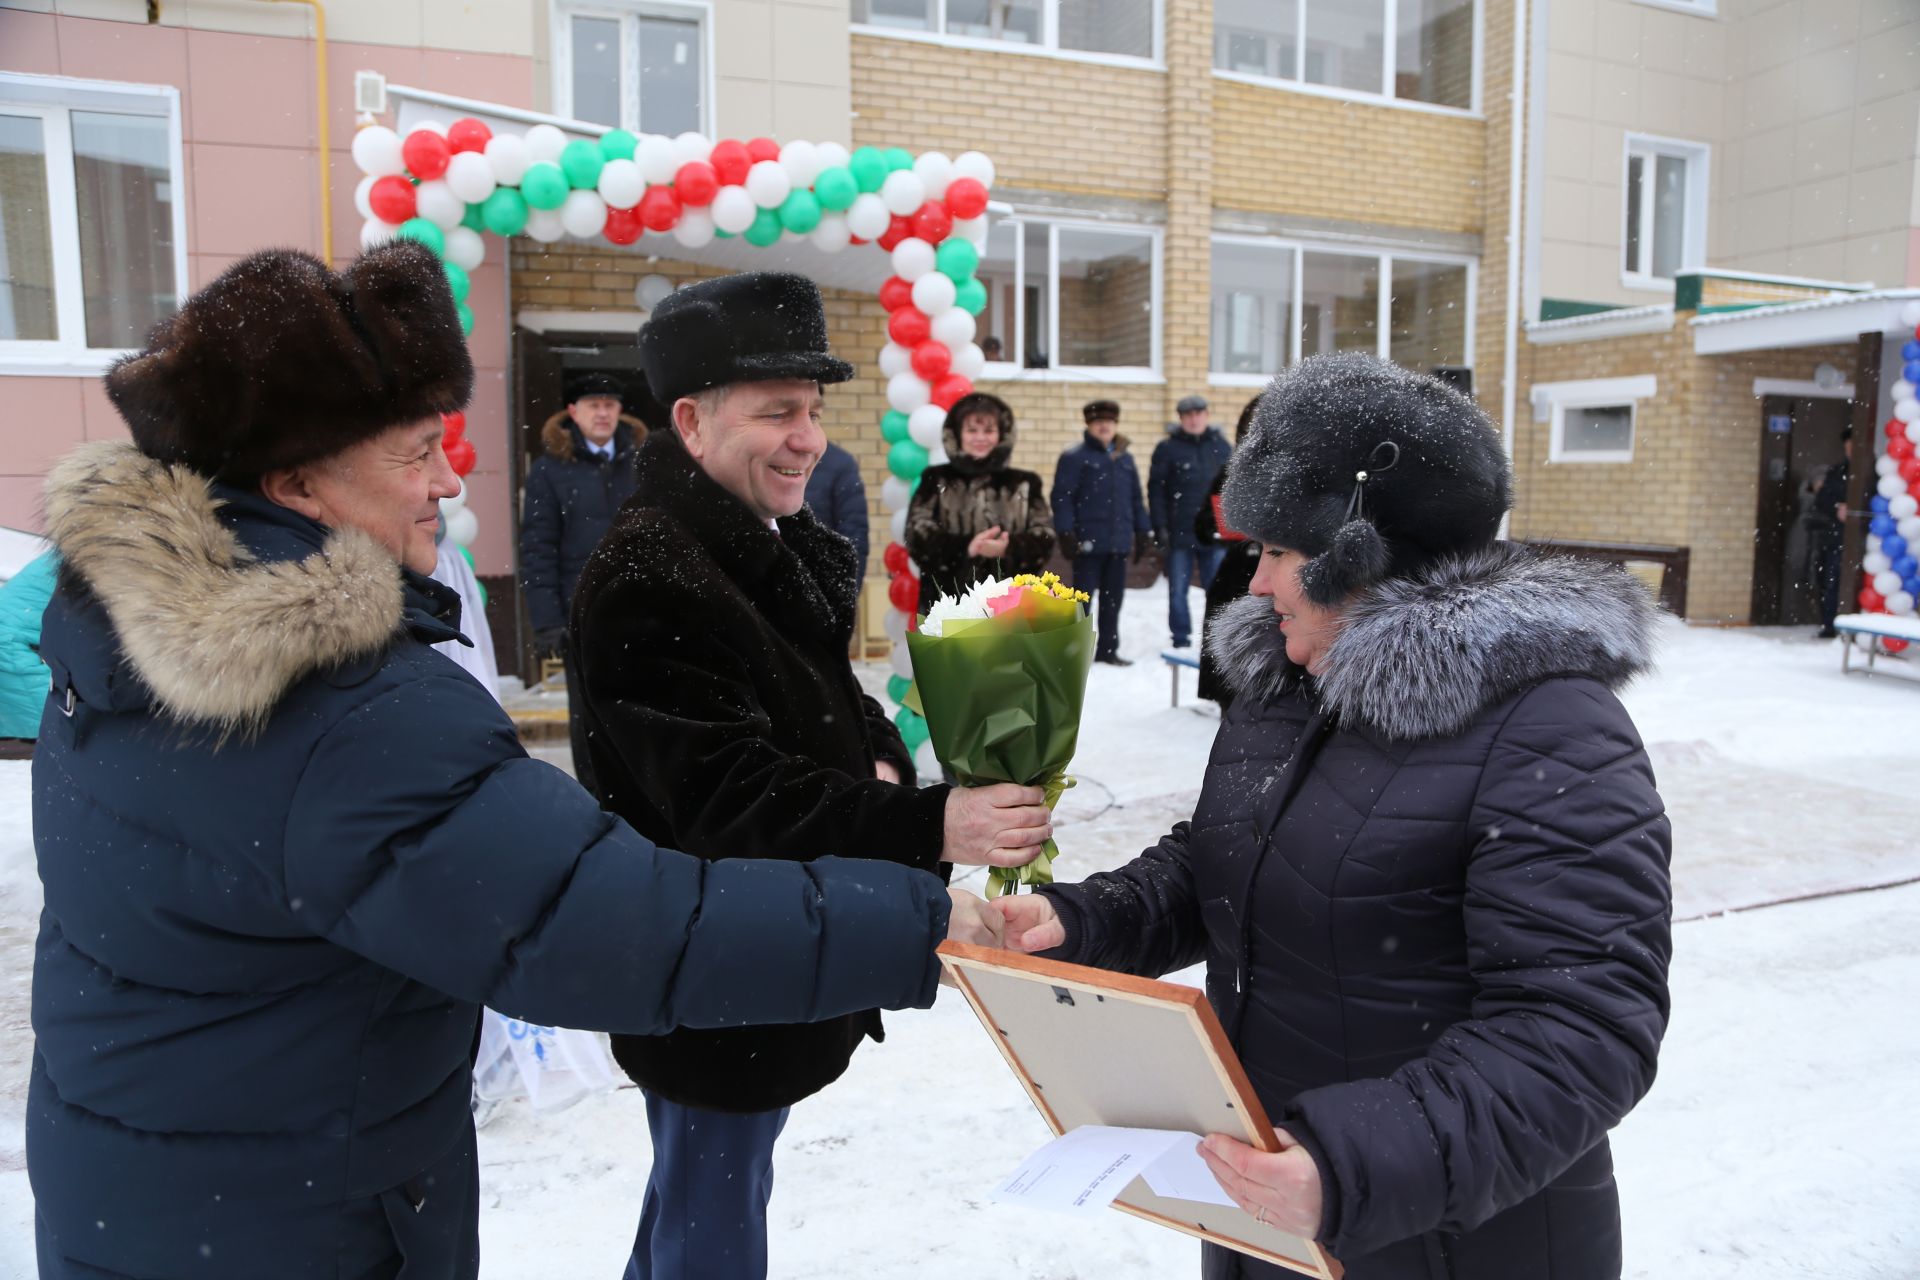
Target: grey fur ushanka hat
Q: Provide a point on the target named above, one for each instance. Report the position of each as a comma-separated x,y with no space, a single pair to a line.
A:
1367,469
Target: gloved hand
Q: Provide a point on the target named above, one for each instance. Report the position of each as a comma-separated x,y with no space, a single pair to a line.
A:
1160,539
551,641
1142,542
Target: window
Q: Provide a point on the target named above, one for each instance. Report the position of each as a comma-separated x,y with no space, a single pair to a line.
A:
1070,296
1665,215
1274,303
92,229
1592,421
1121,28
639,66
1407,50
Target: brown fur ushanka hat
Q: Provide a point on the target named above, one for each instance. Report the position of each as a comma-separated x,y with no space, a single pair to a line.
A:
280,361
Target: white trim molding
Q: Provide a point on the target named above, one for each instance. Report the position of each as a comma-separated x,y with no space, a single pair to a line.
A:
544,322
1698,157
1800,389
628,14
1551,400
1048,47
1384,96
1692,8
1841,317
1622,323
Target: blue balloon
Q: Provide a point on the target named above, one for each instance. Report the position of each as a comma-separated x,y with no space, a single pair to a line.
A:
1880,505
1883,525
1911,351
1906,566
1892,545
1913,586
1912,372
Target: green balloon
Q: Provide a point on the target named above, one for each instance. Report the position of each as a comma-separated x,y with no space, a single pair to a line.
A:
544,186
869,168
913,728
481,587
466,317
472,219
899,158
972,295
766,228
425,232
915,486
801,212
836,188
504,212
582,162
897,686
466,553
722,235
957,259
907,460
893,427
457,280
618,144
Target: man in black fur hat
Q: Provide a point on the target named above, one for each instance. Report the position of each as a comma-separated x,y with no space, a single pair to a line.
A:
712,629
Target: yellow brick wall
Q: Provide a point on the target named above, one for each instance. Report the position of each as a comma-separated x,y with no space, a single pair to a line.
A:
1718,292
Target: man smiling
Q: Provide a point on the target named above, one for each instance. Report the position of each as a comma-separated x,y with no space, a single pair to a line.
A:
712,627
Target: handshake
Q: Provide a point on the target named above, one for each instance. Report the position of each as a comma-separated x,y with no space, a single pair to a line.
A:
1012,922
1001,825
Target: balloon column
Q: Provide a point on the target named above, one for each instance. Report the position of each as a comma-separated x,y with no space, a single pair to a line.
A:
462,525
1891,567
443,187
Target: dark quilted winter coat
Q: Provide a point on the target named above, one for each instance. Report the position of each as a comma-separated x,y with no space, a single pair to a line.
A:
1180,478
288,850
567,506
1431,890
838,499
967,496
723,716
1097,507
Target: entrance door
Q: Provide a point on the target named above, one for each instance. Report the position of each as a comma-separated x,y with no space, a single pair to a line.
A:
1800,440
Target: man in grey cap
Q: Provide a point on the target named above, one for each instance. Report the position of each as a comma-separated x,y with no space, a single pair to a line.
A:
1185,465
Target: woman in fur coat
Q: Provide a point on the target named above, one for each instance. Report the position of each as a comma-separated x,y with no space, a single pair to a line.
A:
975,517
1428,869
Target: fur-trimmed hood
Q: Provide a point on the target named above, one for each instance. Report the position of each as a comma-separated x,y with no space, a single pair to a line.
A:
562,440
1420,656
958,458
217,634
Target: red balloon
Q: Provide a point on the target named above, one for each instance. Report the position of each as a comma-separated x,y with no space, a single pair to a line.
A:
624,225
731,161
1871,601
453,426
1910,469
468,135
932,222
391,199
696,183
950,390
896,293
897,230
966,198
904,592
932,360
895,558
763,149
660,209
908,327
1895,646
426,154
1899,447
461,456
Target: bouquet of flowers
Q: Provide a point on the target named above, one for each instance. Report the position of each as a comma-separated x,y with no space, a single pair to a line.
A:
1000,673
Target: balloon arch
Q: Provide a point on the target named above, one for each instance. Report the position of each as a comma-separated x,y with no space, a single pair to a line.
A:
444,186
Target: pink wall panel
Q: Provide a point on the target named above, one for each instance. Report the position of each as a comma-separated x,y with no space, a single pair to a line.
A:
248,198
487,498
103,420
128,51
255,90
488,301
20,503
489,77
58,421
31,44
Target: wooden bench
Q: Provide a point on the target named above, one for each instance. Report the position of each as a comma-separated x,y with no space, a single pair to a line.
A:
1174,662
1673,563
1855,628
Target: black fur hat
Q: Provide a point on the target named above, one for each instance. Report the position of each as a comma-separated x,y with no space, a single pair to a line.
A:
280,361
1100,411
757,327
1369,470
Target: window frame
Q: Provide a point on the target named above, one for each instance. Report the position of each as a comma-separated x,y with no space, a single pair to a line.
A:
1693,237
628,14
54,99
1692,8
1048,48
1597,393
1384,256
1389,61
1016,370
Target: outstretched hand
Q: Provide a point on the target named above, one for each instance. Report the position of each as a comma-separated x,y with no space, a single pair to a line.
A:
1031,922
1279,1188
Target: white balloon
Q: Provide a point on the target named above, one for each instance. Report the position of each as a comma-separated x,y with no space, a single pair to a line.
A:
470,176
621,185
508,157
895,359
1907,410
937,456
435,201
652,291
926,761
802,163
867,216
1910,315
912,258
545,143
465,248
895,493
975,165
657,157
695,228
894,623
1902,390
832,234
970,361
1873,544
692,147
1886,582
1909,529
583,214
1892,487
545,226
1886,465
908,391
361,204
376,149
903,192
898,528
897,657
1903,506
831,155
769,184
373,232
934,294
1900,602
953,327
733,209
450,505
1875,563
935,171
926,424
972,230
462,528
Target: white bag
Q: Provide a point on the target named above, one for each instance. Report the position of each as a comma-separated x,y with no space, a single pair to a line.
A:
552,1067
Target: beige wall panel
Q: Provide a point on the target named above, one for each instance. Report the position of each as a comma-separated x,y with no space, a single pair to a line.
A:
479,26
817,113
743,39
811,46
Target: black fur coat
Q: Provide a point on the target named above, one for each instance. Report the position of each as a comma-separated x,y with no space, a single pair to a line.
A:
723,720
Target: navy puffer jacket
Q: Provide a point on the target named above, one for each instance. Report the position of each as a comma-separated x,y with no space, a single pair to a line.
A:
1431,889
567,506
1097,506
288,850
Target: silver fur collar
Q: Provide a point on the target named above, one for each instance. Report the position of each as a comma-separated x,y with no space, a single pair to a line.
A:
1420,657
217,637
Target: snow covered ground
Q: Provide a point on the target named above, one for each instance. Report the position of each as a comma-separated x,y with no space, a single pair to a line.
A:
1781,1140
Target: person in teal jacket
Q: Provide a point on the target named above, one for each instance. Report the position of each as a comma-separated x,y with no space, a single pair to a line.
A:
23,677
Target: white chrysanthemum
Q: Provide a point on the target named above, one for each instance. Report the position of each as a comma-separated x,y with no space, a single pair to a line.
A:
971,605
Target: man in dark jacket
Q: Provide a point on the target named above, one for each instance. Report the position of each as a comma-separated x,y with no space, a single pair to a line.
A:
712,627
1100,516
838,499
1179,484
288,850
1827,523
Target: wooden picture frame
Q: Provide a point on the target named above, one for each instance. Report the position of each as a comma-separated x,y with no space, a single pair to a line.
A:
1094,1047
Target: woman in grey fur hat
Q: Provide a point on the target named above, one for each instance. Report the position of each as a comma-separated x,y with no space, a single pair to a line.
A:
1428,869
